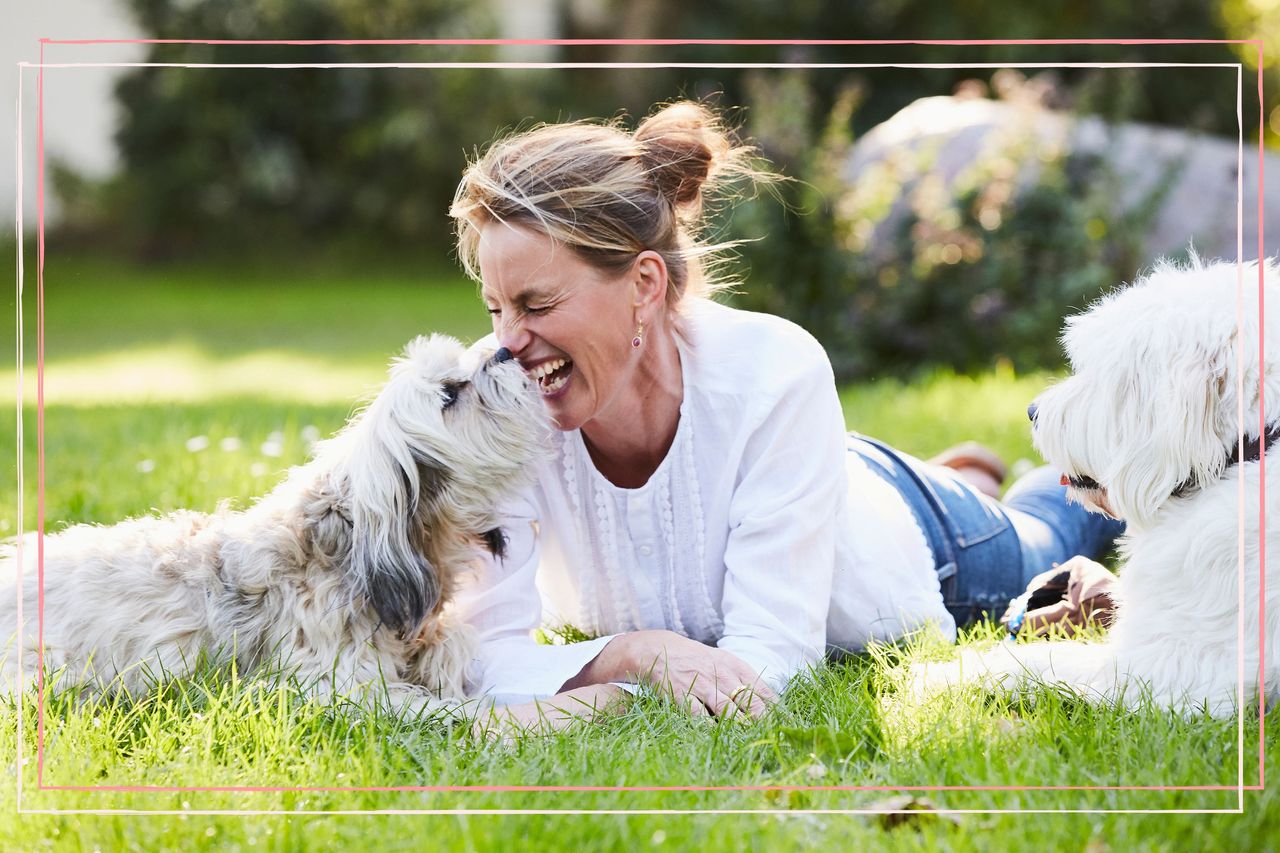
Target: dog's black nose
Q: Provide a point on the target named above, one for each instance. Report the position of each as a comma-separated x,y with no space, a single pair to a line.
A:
1031,412
501,355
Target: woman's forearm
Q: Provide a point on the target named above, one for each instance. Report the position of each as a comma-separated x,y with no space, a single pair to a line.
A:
582,704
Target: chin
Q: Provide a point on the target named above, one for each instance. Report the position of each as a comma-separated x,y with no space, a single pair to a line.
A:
571,407
563,417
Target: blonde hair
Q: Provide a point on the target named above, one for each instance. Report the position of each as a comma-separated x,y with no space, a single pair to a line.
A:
609,194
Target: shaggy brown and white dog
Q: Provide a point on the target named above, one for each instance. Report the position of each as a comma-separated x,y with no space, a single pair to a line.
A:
341,575
1147,429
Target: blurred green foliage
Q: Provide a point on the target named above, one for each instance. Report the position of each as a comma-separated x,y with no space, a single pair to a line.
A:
1259,20
297,162
1181,97
219,158
971,274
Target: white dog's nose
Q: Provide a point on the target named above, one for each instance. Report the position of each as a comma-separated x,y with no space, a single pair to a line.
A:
1031,411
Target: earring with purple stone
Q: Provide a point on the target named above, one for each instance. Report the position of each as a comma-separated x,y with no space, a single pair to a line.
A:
639,338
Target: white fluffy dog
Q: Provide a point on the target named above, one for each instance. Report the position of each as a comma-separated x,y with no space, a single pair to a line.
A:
1147,430
340,575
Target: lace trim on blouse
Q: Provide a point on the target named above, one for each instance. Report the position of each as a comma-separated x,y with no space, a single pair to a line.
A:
609,600
607,576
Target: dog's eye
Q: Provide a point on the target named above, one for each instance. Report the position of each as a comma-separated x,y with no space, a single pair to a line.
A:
450,392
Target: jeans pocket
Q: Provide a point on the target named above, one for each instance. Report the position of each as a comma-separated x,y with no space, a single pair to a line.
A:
970,518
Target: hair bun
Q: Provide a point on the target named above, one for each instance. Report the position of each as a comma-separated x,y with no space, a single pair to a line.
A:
681,145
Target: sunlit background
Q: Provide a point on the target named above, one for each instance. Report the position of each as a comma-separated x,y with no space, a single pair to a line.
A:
284,225
233,255
260,241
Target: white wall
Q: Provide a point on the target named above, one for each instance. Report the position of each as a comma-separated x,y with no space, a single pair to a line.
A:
527,19
80,111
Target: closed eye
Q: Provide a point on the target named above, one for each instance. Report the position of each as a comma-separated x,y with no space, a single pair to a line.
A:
450,392
527,310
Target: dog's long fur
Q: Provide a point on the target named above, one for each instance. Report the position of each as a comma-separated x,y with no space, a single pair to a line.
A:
341,575
1154,402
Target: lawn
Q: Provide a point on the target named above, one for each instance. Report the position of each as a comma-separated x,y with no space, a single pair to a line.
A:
180,388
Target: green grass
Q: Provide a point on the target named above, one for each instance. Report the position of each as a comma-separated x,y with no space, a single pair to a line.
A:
116,449
304,332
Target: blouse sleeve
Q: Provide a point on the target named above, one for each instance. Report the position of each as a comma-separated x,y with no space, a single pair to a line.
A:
780,555
502,605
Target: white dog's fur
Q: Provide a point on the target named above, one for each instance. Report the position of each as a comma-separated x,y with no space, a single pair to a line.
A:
1154,401
341,575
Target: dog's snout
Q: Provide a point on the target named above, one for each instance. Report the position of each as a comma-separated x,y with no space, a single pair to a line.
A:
501,356
1031,411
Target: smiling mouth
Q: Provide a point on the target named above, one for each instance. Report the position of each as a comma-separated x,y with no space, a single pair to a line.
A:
1088,489
552,376
1081,482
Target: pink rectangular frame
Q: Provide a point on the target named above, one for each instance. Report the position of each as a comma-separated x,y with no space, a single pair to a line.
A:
40,453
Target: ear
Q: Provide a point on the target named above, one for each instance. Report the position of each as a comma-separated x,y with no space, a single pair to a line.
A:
649,277
1180,432
390,488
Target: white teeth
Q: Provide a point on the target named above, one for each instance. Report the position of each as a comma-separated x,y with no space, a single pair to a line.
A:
554,385
547,368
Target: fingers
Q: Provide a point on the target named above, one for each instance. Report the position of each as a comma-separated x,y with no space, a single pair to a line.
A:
700,695
706,680
739,691
751,697
750,694
754,699
694,706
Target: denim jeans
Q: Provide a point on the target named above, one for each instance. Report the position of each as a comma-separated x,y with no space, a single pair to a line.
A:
986,551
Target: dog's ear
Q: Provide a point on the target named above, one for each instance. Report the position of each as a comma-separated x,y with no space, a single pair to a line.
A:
390,541
390,492
495,542
1179,434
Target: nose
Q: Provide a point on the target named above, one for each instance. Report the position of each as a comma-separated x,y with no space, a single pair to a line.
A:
1031,411
512,336
501,356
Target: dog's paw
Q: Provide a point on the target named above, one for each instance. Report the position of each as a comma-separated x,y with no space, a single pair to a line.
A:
929,679
988,668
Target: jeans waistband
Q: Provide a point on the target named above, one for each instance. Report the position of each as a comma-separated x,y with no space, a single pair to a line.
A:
918,495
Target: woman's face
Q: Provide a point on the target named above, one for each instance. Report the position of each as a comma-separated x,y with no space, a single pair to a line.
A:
568,323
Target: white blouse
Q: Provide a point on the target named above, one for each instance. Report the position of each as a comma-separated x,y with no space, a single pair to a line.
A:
739,538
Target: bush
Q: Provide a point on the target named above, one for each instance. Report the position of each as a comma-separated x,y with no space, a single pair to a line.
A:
236,157
978,272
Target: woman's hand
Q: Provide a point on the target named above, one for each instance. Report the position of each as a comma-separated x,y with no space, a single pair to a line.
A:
543,716
709,680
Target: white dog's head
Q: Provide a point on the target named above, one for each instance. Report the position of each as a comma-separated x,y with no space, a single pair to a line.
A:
1153,407
413,481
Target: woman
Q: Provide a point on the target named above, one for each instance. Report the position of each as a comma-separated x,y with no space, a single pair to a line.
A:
701,505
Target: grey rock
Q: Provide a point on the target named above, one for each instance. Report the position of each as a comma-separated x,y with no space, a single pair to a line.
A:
956,141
